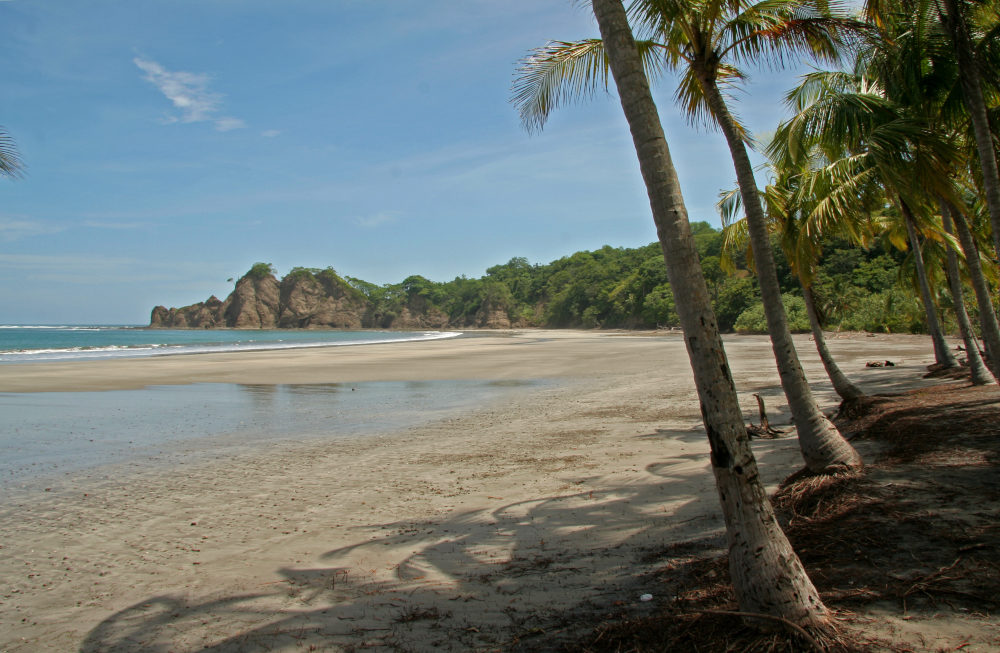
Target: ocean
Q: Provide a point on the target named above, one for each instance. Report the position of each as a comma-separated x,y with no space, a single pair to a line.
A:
26,344
47,437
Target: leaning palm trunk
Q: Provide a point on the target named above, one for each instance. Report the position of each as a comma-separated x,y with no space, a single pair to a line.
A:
972,92
977,369
844,387
823,447
942,355
987,318
767,575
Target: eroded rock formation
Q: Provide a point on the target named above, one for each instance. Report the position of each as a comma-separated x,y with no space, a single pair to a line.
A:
316,299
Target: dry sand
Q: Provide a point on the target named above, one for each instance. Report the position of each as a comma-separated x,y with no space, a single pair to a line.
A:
456,535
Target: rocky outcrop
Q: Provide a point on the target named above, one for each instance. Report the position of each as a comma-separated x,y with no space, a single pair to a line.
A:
310,300
209,314
320,299
254,304
492,317
303,299
421,317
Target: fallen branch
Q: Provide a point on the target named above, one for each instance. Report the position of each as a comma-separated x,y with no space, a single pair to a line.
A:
764,430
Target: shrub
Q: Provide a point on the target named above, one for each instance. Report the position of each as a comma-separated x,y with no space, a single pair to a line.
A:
260,271
752,320
891,311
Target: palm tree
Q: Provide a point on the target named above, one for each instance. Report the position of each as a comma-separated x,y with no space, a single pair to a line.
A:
910,67
916,64
706,39
953,16
971,28
977,369
942,354
767,575
871,121
987,316
800,215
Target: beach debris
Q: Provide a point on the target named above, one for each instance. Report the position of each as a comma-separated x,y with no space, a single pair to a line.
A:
765,424
765,430
880,364
646,597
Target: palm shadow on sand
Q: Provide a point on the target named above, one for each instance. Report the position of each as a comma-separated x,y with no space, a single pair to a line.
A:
521,576
473,580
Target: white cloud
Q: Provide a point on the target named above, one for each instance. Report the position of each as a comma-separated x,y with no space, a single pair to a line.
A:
11,230
189,93
270,133
378,219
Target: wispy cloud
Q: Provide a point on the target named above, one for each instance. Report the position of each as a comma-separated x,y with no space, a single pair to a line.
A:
270,133
86,269
94,224
11,230
378,219
75,269
189,93
229,124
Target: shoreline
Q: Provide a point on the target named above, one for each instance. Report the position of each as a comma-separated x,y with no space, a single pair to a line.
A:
54,346
485,355
484,519
433,359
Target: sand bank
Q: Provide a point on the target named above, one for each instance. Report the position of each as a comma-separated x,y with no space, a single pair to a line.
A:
455,535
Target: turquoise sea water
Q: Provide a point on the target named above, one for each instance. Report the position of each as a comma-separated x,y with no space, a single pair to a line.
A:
25,344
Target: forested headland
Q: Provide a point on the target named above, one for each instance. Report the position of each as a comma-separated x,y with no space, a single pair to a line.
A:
856,288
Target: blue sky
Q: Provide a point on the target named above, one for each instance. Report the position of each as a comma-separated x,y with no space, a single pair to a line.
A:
171,144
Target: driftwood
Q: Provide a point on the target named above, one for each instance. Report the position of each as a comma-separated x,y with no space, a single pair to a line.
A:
764,430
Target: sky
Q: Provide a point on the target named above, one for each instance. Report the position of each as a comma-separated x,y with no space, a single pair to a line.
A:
171,144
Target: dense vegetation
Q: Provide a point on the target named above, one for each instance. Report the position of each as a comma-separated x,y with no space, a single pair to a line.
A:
857,289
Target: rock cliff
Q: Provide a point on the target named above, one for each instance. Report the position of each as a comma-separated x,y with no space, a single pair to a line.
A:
317,299
254,304
303,299
321,299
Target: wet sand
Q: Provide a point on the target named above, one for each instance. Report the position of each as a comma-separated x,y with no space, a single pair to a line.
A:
451,535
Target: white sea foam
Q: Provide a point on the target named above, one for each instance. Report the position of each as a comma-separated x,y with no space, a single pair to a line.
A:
63,327
165,349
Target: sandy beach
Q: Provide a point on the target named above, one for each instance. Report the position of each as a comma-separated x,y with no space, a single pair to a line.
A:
446,536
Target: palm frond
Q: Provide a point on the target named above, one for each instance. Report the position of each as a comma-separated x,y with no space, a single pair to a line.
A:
772,32
11,164
559,71
730,206
735,239
565,71
691,97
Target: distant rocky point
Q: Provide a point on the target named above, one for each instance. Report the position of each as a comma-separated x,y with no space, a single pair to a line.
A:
315,299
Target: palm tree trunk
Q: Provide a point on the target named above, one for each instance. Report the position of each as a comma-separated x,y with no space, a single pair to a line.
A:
972,91
844,387
977,369
823,447
987,317
767,575
942,355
